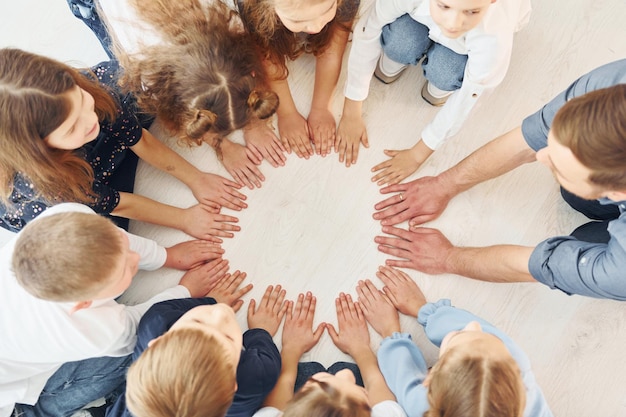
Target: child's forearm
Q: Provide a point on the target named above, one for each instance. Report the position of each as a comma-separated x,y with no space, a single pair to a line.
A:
287,105
420,151
283,390
328,68
377,389
137,207
154,152
352,108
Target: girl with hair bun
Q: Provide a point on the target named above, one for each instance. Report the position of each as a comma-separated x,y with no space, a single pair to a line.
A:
195,67
70,136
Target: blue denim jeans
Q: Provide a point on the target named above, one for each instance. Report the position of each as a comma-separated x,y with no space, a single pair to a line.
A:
307,369
406,41
76,384
86,11
596,231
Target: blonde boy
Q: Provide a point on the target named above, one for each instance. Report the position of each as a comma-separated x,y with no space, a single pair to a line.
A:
65,339
191,358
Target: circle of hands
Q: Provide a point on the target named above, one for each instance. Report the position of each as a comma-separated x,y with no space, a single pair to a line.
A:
418,248
418,201
378,307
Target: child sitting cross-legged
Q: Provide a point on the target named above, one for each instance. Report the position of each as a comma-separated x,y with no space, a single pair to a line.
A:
191,358
334,393
480,371
65,340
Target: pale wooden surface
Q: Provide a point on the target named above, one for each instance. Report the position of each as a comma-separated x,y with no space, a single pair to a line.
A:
310,228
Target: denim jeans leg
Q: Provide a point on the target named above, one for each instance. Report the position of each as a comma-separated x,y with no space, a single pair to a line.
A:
444,68
405,40
305,371
340,366
76,384
593,232
87,11
590,208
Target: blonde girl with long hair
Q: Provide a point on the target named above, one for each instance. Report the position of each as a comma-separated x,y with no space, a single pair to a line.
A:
480,372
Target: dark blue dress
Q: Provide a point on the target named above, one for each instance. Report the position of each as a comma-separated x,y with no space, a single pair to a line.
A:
109,155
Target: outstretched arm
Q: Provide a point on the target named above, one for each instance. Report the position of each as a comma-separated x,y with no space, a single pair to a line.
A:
292,127
209,189
424,199
199,221
322,126
298,338
429,251
353,338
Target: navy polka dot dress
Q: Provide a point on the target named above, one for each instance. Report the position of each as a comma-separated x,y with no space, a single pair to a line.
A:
106,154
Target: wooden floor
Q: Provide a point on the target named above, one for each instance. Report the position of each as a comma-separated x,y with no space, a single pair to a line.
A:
310,227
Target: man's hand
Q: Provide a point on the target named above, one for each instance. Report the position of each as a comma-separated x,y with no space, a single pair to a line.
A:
418,201
423,249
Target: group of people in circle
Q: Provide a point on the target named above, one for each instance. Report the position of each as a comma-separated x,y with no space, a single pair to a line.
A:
71,140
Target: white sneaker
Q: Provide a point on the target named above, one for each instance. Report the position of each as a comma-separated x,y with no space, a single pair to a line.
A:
435,96
388,70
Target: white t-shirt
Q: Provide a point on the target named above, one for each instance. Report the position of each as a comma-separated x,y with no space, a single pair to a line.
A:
382,409
39,336
488,47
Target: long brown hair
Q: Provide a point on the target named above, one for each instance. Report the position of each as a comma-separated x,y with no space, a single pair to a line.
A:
33,103
277,42
593,127
206,75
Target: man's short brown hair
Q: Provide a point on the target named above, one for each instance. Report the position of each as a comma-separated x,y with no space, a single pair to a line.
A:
593,127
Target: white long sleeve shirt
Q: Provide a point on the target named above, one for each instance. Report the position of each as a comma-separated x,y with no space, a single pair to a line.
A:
39,336
488,47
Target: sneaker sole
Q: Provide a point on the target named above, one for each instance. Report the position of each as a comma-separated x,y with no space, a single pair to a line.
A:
433,101
384,78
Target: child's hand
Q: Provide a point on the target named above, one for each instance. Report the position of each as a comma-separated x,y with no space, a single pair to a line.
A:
237,160
217,191
322,127
294,133
402,164
262,142
378,310
202,279
298,334
272,309
401,290
353,334
227,290
187,255
350,134
201,222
